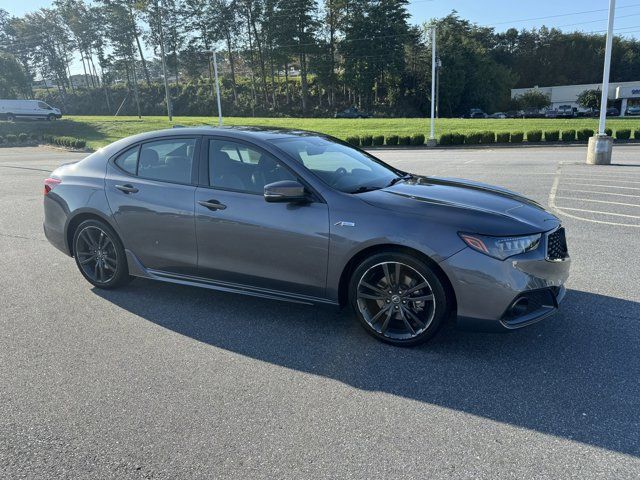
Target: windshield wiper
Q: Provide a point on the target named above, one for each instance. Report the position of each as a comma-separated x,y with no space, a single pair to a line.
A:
364,188
393,181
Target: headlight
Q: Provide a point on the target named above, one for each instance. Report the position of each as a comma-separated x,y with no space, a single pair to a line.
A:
501,247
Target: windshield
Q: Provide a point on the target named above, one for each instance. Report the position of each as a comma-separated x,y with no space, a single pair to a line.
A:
340,166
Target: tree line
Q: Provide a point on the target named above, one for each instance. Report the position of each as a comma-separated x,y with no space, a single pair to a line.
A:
284,57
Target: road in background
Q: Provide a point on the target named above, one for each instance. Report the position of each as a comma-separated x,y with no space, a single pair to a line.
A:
163,381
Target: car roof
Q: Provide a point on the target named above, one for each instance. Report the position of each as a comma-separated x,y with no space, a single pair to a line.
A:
239,132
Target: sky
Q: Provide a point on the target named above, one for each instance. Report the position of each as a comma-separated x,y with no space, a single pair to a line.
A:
568,15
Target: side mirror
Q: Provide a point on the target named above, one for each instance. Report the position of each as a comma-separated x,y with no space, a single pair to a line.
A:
285,191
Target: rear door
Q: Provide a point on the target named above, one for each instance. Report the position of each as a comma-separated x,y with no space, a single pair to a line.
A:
150,188
243,239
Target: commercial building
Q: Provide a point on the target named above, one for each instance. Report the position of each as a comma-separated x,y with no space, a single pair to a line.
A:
620,93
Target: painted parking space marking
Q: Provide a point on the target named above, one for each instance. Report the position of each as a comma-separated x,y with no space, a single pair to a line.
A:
598,201
601,188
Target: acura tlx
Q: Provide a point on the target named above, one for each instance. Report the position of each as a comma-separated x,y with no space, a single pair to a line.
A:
303,217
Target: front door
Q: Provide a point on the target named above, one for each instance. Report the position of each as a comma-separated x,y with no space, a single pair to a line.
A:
242,239
150,189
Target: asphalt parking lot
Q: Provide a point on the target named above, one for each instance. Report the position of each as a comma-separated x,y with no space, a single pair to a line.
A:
161,381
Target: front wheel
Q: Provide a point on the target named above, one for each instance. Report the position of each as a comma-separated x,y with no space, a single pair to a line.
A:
398,298
51,117
100,255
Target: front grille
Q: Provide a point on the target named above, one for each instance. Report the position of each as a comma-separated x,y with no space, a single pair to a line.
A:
557,245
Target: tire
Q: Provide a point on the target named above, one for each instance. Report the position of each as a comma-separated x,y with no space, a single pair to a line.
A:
398,318
11,117
51,117
100,256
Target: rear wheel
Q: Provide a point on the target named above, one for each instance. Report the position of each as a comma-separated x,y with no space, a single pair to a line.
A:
398,298
11,117
100,255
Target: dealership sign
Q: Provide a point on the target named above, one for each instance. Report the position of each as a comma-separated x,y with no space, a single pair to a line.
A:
628,92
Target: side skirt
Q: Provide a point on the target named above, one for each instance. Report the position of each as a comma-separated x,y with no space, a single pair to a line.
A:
138,270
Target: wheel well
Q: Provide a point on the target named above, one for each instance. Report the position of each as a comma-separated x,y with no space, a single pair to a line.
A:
77,220
345,277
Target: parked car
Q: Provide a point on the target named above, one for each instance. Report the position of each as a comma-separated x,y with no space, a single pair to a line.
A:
303,217
633,110
566,111
532,113
513,114
613,112
35,109
352,112
551,113
498,115
477,113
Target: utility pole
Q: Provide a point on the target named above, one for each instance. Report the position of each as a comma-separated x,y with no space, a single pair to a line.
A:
432,137
167,94
601,145
438,67
212,53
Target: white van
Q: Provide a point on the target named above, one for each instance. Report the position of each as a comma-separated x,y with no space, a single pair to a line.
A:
12,109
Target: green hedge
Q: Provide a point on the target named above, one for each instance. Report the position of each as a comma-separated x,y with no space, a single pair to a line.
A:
636,134
366,140
378,140
517,137
417,139
473,138
534,136
584,134
552,136
392,140
69,142
568,135
353,140
623,134
608,131
503,137
487,137
404,140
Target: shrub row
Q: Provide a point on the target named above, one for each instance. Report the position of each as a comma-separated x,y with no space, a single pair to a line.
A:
69,142
22,138
379,140
582,135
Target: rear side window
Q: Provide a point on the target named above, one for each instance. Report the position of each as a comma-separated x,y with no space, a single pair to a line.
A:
128,161
168,160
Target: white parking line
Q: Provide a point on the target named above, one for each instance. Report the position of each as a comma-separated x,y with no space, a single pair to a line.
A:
603,193
601,179
602,213
604,186
599,201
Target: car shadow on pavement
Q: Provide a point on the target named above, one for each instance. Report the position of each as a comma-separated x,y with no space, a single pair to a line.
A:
575,375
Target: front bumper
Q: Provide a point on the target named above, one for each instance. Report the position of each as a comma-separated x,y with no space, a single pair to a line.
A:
501,295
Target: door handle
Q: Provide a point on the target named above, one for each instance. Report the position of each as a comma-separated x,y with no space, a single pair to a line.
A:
127,188
212,204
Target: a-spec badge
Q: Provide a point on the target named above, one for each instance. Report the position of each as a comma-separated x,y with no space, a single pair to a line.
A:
345,224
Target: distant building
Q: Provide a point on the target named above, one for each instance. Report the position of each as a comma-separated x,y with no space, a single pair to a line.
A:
560,95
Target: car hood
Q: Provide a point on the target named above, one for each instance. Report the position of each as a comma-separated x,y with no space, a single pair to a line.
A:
472,206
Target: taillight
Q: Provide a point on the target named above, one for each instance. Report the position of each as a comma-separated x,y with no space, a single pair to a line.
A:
50,184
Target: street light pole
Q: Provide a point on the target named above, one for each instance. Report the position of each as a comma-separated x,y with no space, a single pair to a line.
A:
167,95
432,136
215,76
601,145
607,68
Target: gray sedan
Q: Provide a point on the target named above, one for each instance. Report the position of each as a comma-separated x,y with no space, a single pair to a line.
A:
303,217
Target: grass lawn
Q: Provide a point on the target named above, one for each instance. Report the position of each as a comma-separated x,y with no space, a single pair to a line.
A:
101,130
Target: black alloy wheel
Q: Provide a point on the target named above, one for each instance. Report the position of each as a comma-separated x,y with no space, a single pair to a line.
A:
100,255
398,298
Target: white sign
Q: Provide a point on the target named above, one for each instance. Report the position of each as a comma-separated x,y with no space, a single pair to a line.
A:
628,92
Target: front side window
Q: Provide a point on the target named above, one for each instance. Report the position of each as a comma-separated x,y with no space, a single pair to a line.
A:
168,160
342,167
44,106
236,166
